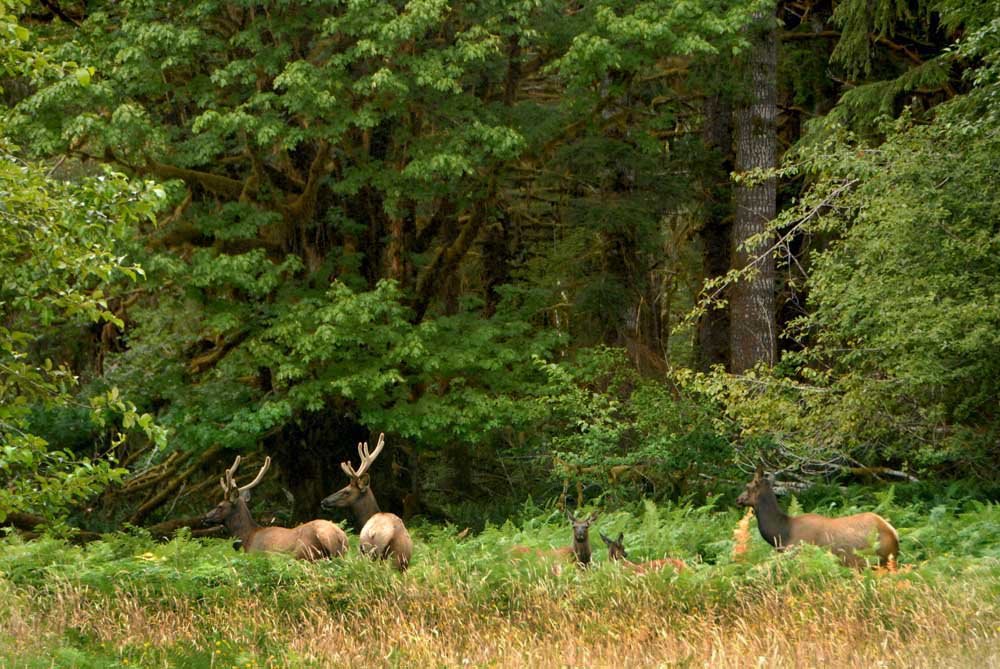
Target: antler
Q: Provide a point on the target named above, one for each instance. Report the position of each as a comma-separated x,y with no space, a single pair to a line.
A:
228,482
260,475
366,458
589,519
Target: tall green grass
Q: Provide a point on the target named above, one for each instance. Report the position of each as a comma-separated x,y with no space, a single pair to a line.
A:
128,601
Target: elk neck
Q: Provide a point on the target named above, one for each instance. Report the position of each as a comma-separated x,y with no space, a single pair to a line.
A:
774,524
364,508
241,524
582,551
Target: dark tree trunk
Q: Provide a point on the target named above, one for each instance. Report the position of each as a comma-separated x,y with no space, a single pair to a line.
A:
753,333
496,262
309,452
712,342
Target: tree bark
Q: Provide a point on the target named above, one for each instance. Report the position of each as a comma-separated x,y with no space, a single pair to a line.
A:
712,336
753,335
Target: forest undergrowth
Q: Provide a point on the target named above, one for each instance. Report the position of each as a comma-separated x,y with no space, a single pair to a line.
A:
129,601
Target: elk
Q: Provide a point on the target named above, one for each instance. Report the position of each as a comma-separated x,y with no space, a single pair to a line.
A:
843,536
308,541
578,553
382,533
616,552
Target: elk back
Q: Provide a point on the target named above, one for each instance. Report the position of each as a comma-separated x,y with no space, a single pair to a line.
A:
314,540
847,534
383,535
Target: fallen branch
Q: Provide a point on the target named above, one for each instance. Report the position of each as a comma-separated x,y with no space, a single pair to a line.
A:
27,524
150,477
879,472
160,497
168,528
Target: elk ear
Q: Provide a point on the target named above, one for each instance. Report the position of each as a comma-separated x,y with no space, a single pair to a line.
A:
605,539
570,516
621,537
363,481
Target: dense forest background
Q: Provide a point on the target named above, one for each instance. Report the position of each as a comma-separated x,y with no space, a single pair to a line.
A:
621,248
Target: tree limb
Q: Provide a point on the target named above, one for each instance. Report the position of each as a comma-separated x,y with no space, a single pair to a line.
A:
447,258
303,206
216,183
160,497
28,524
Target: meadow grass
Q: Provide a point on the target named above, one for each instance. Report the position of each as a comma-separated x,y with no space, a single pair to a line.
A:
128,601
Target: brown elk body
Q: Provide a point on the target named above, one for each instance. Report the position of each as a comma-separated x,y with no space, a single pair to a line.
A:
616,552
843,536
308,541
577,553
382,534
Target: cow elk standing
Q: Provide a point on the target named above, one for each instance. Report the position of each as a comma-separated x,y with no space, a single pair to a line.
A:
843,536
616,552
382,534
308,541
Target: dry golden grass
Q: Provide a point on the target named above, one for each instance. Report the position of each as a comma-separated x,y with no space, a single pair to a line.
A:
851,622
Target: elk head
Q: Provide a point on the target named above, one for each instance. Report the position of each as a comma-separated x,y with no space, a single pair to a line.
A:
358,487
758,485
616,547
581,528
234,495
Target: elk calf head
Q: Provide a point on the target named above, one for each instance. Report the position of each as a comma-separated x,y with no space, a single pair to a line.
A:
616,552
616,547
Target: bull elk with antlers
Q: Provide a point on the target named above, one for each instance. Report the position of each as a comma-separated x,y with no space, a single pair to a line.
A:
308,541
843,536
382,534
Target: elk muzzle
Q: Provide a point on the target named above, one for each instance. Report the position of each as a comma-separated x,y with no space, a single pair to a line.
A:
218,515
340,498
